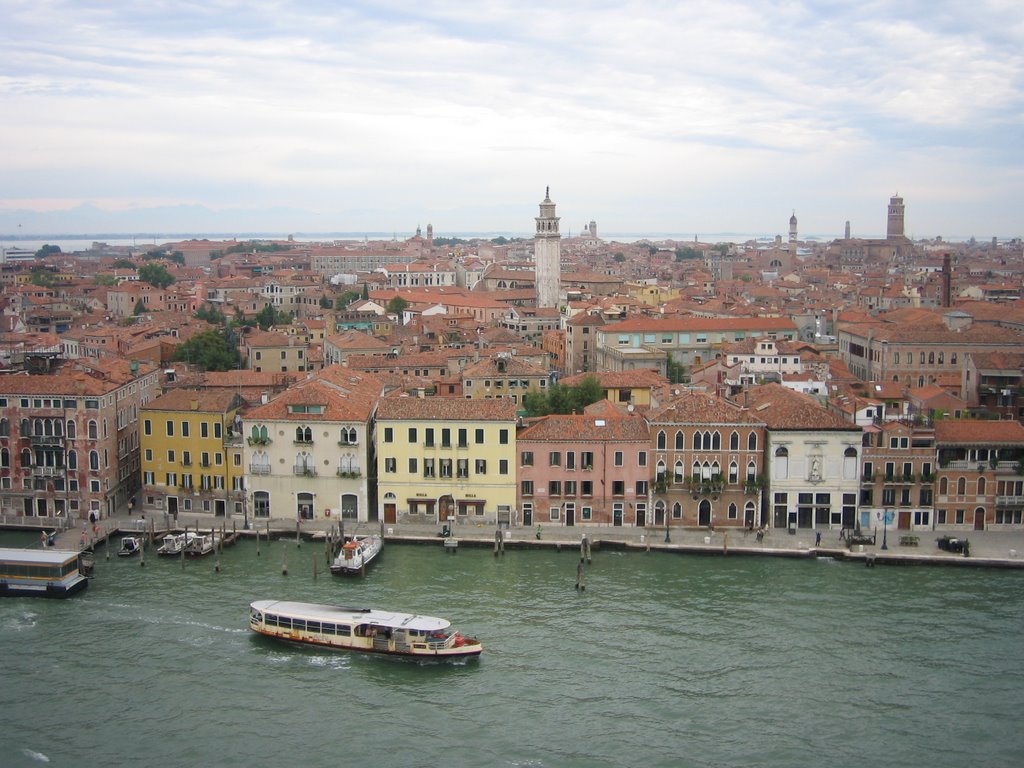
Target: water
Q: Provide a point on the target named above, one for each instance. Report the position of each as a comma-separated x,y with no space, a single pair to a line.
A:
664,660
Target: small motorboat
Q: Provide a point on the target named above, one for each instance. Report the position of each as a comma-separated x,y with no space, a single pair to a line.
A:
357,553
201,544
174,543
130,545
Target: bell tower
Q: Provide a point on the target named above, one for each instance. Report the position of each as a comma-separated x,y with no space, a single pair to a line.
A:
547,254
894,227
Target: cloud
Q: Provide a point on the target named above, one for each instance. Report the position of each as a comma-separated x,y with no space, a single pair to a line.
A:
389,106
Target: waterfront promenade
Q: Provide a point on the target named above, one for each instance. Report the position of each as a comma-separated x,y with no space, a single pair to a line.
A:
1000,549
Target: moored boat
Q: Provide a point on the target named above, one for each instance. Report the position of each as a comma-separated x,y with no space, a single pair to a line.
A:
201,544
360,629
356,554
174,543
130,545
41,573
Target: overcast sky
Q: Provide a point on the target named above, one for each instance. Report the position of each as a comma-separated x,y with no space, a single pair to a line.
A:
678,117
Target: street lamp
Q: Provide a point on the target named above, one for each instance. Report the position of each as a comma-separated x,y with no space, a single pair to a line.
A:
668,539
885,529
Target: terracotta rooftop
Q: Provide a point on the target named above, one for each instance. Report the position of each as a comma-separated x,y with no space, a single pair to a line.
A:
784,409
446,409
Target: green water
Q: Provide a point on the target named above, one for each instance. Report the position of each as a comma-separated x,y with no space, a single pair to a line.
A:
664,660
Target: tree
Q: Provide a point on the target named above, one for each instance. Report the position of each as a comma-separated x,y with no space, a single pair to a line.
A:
47,250
107,280
619,257
43,277
345,299
140,308
210,314
269,316
684,253
676,371
156,274
209,349
124,264
397,305
562,399
366,292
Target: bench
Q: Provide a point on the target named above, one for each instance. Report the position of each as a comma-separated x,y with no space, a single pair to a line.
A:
859,538
908,541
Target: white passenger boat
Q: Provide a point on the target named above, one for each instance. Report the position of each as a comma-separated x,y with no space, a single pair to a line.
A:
200,544
174,543
360,629
130,545
41,572
356,554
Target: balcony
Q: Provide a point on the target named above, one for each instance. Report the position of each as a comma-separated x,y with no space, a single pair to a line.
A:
258,440
259,469
302,469
349,473
47,471
47,440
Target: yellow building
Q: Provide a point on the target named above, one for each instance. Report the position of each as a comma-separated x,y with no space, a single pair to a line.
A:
446,457
503,376
191,453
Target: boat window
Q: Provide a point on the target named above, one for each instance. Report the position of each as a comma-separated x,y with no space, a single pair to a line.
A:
284,622
312,626
254,615
299,624
344,629
327,629
270,620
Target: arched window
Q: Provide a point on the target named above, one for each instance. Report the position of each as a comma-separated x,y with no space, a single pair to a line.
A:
781,464
261,503
752,441
981,486
850,463
716,441
72,430
680,440
734,441
660,471
25,428
943,486
26,457
661,440
72,460
734,472
751,470
94,460
677,511
5,427
733,511
5,457
961,486
37,428
93,434
303,435
58,428
678,473
696,441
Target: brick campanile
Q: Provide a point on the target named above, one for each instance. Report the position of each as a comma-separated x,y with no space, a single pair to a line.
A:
894,228
547,254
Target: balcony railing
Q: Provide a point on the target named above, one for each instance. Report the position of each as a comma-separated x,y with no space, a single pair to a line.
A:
258,440
43,440
350,473
302,469
259,469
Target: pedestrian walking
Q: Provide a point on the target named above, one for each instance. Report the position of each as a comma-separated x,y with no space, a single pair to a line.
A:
817,539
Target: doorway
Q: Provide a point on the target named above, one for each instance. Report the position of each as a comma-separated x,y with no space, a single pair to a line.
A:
704,513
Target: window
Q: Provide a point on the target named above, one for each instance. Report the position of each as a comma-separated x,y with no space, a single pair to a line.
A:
413,466
618,488
526,458
147,427
446,438
446,467
463,438
661,440
526,488
570,460
481,466
503,436
428,468
554,488
184,429
204,429
413,435
618,458
554,459
428,438
569,488
734,441
389,435
641,459
586,488
390,464
502,466
92,429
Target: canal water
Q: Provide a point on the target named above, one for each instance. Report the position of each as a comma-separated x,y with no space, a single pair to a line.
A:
663,660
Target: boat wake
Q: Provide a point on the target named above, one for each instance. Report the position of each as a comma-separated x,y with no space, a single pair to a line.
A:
39,757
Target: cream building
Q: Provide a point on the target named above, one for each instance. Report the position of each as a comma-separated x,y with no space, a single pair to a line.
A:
441,458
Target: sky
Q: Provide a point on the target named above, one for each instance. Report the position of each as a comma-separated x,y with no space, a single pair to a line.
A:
644,116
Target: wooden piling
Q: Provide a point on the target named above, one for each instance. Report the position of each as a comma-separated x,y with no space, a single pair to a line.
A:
298,532
284,563
499,542
313,555
725,543
585,549
257,540
581,578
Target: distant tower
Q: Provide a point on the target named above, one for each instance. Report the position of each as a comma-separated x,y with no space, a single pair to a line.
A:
430,235
547,254
847,229
947,281
894,229
792,233
593,228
